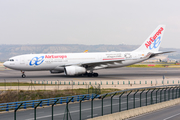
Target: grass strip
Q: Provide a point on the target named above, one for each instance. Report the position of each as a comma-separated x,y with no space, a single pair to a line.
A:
149,66
26,84
25,95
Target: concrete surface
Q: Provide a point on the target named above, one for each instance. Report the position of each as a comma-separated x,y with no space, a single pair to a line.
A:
137,111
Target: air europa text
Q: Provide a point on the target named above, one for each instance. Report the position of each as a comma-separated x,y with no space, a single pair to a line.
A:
56,56
148,43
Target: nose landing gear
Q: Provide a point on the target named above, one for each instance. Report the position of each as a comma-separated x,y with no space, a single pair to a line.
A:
23,74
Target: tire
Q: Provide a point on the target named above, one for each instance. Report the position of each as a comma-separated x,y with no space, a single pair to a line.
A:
23,75
80,75
90,75
85,74
95,74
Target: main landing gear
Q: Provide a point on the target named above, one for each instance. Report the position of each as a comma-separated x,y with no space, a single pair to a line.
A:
23,74
91,74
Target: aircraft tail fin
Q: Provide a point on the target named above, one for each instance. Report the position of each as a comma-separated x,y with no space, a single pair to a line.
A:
85,51
153,42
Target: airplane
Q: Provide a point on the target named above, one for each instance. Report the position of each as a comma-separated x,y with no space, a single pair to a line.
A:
85,51
84,64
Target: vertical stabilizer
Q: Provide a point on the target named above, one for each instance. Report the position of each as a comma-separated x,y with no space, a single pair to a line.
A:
153,42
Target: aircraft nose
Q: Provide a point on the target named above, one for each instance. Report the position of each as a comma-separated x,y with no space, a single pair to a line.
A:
5,64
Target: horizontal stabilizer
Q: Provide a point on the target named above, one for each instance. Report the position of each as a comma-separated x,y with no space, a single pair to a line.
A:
159,53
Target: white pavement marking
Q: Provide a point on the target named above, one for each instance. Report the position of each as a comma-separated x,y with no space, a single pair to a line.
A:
135,98
36,113
105,102
93,115
171,116
145,114
75,107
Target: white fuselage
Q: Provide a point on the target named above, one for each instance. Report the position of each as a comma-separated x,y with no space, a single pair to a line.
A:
33,62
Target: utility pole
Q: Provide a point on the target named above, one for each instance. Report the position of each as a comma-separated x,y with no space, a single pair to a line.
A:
163,79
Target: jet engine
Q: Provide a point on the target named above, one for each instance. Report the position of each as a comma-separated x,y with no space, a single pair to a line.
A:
74,70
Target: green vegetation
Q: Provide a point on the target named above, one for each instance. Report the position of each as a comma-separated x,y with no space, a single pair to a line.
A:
154,65
15,84
29,84
159,66
21,84
22,95
103,91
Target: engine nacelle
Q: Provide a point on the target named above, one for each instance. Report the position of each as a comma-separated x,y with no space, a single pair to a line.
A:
74,70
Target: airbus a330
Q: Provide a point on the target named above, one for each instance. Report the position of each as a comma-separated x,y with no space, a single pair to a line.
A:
86,63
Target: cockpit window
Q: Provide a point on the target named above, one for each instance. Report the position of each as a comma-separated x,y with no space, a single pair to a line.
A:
11,59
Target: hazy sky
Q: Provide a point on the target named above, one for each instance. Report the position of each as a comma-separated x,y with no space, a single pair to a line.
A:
88,22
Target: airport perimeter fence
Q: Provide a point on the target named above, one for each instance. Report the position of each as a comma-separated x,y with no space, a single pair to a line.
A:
110,82
60,85
43,102
140,97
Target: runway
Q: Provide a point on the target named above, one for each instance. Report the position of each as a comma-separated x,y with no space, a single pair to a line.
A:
104,74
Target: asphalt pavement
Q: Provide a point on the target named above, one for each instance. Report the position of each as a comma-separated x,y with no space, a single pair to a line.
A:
170,113
60,110
124,73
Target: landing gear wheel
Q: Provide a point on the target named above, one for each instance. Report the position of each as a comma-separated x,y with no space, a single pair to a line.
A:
89,74
23,75
85,74
80,75
95,74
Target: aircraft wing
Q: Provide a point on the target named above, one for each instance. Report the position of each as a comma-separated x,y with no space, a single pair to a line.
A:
103,62
96,63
